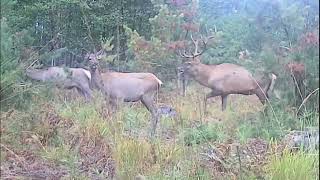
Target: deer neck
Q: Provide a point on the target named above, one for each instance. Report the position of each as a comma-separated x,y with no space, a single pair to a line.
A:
96,80
201,73
266,84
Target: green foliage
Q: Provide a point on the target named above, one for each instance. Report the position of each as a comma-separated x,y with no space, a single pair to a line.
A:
12,93
274,123
293,166
203,133
234,32
61,155
8,61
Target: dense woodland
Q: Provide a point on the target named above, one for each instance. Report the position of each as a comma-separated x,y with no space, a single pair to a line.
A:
274,36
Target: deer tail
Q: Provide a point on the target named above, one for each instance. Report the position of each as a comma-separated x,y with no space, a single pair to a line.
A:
158,80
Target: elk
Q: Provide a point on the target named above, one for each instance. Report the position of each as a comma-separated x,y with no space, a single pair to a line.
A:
63,77
224,79
126,87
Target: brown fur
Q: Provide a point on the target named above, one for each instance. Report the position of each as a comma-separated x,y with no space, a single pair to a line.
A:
126,87
67,78
224,79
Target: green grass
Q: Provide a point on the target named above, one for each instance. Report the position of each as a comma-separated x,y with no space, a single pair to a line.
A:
61,155
175,153
204,133
293,166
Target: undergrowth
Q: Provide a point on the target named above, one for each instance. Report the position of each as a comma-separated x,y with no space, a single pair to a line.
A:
85,142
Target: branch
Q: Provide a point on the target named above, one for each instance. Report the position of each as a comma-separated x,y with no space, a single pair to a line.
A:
305,100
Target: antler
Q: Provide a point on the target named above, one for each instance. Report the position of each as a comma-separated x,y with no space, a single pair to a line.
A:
184,55
205,42
195,43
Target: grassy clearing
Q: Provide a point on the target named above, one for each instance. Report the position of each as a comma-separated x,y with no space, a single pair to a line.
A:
84,142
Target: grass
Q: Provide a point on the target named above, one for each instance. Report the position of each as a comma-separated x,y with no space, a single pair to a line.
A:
83,139
293,166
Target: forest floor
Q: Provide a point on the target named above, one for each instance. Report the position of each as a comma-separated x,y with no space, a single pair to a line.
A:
65,138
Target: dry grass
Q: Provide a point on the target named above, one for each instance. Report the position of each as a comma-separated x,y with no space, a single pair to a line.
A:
81,141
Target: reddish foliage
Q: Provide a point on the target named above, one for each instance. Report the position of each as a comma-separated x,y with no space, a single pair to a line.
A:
190,27
142,45
297,69
189,13
176,45
310,39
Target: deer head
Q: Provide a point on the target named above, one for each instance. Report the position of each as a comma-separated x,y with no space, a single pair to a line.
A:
93,59
193,58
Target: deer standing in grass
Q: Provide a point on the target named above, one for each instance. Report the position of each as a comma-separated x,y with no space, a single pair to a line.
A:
64,77
224,79
126,87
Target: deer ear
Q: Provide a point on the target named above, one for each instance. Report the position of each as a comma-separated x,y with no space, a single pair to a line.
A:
86,56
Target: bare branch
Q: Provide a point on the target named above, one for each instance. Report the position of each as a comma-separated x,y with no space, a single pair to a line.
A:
195,42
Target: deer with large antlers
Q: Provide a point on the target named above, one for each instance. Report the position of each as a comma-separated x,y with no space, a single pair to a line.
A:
224,79
126,87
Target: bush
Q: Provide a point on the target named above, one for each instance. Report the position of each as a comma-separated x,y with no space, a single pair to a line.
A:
13,93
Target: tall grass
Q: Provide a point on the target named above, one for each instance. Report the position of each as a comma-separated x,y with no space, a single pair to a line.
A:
173,154
293,166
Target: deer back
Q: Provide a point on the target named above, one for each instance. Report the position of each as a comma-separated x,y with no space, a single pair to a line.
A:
231,78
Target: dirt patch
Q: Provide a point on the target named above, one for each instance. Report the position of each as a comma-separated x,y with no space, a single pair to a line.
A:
96,160
25,164
233,159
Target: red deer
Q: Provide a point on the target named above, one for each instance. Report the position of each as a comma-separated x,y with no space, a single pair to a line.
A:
126,87
224,79
67,78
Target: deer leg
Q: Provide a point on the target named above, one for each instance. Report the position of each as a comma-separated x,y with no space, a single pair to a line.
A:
147,101
114,105
209,95
224,102
87,92
80,91
262,97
